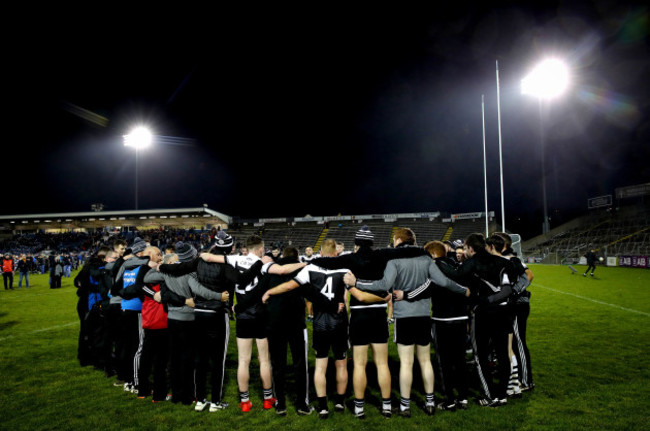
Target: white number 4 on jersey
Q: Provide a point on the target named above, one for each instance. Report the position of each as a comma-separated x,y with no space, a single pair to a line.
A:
327,289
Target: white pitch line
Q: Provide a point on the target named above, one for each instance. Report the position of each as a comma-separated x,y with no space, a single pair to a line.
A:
594,300
51,328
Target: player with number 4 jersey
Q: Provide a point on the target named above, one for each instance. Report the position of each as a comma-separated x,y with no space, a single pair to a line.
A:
330,284
330,325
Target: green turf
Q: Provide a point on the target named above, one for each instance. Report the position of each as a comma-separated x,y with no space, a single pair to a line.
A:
589,340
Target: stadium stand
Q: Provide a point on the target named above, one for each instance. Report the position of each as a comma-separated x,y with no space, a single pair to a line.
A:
624,231
85,231
303,234
462,228
612,232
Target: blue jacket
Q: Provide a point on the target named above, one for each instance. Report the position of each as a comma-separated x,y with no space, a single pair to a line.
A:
129,279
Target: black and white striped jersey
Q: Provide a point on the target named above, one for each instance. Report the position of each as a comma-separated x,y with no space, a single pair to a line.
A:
242,292
329,282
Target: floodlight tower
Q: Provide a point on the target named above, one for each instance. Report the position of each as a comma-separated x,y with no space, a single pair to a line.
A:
548,80
139,139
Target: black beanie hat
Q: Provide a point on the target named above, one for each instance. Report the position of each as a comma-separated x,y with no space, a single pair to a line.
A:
364,236
223,242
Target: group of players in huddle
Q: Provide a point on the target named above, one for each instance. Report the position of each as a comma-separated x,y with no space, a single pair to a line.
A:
162,322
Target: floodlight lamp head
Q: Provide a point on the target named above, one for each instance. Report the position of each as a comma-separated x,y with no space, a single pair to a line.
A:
548,80
139,138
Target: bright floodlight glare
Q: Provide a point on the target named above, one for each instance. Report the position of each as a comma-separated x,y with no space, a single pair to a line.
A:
139,138
549,79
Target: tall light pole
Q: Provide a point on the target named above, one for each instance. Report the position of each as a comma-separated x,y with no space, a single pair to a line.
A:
139,139
503,205
548,80
487,233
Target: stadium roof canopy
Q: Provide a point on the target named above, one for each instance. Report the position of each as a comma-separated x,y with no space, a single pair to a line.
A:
142,219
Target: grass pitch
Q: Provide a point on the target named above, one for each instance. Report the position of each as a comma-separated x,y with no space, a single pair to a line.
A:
589,340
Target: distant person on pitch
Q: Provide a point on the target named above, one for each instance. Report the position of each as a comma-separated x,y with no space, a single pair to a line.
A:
591,262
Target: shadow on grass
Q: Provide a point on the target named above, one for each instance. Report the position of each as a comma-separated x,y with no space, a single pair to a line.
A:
6,325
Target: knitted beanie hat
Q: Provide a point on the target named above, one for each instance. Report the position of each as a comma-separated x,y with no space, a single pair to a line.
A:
185,251
138,245
457,243
223,241
364,236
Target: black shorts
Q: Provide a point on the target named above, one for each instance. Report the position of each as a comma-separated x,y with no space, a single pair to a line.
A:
368,326
336,340
412,330
251,328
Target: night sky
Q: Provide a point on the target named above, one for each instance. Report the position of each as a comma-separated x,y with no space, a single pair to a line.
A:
274,113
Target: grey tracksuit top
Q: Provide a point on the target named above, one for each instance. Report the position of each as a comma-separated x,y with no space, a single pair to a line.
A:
186,286
408,275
